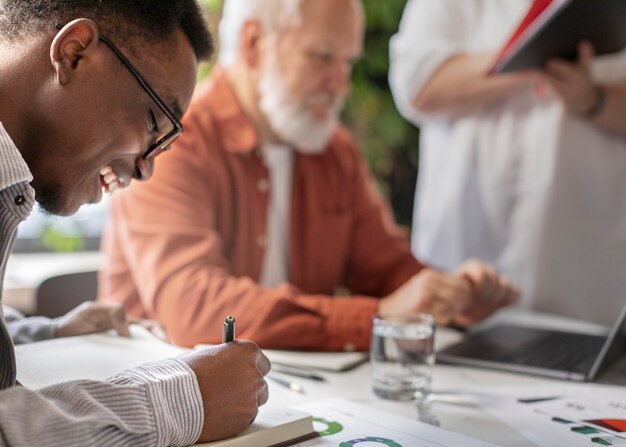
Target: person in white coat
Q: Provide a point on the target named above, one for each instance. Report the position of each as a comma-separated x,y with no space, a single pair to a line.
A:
526,170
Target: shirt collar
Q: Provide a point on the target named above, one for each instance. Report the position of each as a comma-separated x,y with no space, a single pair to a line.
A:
237,132
13,168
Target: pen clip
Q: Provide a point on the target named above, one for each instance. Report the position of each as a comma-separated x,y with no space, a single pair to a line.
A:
228,332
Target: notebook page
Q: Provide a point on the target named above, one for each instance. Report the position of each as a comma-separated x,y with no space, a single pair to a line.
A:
95,356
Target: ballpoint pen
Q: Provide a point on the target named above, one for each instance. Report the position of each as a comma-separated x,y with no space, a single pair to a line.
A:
534,400
293,386
297,372
228,333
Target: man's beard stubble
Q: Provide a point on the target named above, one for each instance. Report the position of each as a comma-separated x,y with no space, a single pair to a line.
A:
49,200
293,121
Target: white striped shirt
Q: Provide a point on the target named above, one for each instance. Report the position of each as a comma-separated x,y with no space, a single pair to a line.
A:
157,404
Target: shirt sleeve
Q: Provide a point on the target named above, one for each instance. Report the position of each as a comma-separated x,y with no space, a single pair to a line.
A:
430,33
157,404
610,68
27,330
380,257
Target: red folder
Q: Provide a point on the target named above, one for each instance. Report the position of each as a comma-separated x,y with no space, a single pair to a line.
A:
553,29
535,11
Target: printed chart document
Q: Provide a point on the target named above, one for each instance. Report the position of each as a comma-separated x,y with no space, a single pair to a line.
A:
557,416
554,28
342,423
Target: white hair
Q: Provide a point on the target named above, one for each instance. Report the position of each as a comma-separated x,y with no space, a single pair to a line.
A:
274,15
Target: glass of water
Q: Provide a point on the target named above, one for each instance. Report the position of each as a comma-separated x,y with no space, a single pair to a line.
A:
402,355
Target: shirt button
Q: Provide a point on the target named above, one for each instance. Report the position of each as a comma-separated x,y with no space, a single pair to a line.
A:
261,240
20,200
262,185
349,347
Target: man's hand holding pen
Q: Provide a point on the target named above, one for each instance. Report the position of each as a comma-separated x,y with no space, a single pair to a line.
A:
231,378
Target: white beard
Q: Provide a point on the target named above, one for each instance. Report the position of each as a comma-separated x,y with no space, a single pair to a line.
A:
293,121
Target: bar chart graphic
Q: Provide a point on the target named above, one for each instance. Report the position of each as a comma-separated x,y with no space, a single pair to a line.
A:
599,432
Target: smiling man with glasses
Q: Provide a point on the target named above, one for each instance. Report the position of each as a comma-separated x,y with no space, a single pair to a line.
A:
74,122
164,139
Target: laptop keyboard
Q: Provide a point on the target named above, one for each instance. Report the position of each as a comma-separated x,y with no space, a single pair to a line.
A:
537,348
554,350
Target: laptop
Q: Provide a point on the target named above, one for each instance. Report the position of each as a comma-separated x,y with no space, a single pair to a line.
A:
558,354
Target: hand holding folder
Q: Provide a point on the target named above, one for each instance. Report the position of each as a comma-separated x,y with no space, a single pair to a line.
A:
554,29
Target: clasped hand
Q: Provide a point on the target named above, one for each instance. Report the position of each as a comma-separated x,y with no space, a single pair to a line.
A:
462,298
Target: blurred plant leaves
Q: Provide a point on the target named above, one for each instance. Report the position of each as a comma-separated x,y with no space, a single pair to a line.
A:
61,242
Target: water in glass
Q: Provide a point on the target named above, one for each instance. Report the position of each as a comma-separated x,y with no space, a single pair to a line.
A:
402,358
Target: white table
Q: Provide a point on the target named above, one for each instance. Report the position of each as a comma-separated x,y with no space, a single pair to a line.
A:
447,408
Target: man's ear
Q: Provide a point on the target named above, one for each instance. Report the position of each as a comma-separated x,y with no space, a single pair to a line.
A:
74,42
250,43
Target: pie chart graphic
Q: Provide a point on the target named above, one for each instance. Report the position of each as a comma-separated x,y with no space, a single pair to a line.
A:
332,427
381,441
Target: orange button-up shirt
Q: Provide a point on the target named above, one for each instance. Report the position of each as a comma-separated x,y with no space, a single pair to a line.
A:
186,248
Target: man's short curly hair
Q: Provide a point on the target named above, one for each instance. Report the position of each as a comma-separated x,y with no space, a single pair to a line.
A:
125,21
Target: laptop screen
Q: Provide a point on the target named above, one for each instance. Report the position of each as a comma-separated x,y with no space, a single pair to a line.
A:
613,347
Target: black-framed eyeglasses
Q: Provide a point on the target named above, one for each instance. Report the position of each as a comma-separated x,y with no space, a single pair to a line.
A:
165,140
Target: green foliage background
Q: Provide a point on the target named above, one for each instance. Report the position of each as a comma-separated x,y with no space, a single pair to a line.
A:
388,142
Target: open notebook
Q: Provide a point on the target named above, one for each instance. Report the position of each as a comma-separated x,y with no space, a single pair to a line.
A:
99,356
274,427
95,356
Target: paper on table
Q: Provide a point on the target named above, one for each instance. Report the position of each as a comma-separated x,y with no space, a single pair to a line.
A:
329,361
345,423
557,416
94,357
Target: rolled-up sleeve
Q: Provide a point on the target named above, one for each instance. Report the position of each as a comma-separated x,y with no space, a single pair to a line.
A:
430,33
